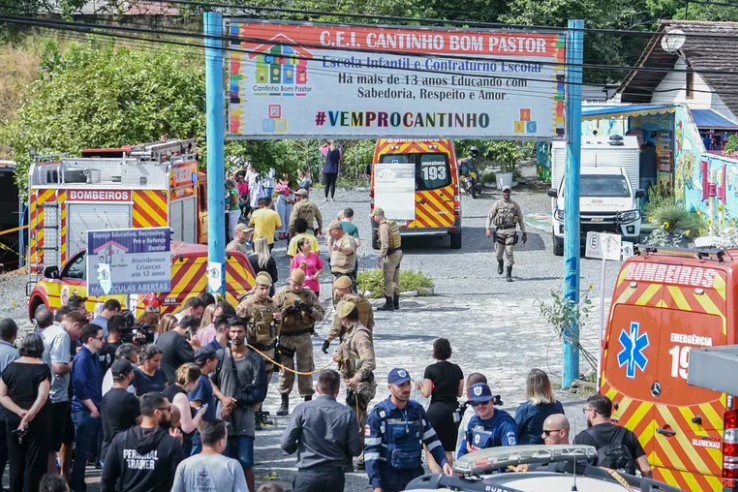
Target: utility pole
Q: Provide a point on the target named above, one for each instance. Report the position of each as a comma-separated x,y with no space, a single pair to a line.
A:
574,60
215,121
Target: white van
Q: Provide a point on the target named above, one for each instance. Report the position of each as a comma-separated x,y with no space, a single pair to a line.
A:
608,187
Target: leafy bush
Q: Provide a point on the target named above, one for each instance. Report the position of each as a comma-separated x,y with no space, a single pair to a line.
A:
675,219
373,281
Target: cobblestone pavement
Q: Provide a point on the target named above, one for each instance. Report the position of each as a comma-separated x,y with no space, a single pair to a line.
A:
494,326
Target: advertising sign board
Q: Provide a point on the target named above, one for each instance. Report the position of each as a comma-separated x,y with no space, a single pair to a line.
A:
129,261
299,80
394,190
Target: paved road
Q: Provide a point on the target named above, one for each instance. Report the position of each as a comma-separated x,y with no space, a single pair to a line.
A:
494,326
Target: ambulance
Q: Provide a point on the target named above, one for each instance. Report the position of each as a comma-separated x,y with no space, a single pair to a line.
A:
667,302
189,277
435,192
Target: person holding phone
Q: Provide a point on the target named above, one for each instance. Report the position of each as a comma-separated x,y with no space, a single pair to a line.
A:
188,376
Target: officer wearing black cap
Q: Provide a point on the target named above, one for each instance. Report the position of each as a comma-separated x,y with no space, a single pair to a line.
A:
505,215
395,433
489,427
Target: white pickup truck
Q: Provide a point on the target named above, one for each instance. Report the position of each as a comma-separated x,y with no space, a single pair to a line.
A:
608,189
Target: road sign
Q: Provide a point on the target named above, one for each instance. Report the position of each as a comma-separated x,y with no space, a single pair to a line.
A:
603,245
129,261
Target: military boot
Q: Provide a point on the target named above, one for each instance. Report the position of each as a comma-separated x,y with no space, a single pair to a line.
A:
308,398
509,274
284,409
388,305
500,265
396,302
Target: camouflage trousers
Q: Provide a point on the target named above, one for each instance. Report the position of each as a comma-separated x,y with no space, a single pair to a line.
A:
391,269
302,345
506,239
358,401
268,366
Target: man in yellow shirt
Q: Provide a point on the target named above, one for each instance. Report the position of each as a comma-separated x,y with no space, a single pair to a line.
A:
301,229
265,221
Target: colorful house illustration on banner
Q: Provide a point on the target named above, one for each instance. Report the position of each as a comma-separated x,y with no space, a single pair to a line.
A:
281,61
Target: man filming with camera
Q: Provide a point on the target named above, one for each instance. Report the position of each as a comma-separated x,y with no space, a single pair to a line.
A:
300,311
241,379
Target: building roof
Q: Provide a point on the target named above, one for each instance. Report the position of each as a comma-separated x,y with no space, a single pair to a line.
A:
699,49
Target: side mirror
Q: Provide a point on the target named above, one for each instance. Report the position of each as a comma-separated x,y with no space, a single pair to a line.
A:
51,272
640,193
553,193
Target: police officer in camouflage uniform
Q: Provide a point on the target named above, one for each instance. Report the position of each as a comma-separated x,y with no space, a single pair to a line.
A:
300,311
505,215
396,430
263,318
342,293
356,362
390,257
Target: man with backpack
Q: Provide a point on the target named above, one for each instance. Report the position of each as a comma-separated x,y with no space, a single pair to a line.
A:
617,447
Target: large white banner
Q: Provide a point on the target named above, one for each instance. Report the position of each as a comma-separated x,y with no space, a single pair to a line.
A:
305,80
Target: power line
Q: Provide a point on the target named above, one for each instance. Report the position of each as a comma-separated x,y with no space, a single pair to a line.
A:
97,29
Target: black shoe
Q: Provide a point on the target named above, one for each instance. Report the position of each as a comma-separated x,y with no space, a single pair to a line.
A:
500,264
308,398
284,409
388,305
396,302
264,420
509,274
258,425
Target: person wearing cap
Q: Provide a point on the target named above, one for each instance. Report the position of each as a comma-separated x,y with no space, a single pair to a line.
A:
265,221
203,394
489,427
309,262
263,318
307,210
343,252
390,257
396,431
342,293
241,242
356,362
120,409
300,309
505,215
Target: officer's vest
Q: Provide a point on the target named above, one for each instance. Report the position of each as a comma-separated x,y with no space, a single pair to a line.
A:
404,437
364,307
394,235
507,214
293,319
351,360
262,324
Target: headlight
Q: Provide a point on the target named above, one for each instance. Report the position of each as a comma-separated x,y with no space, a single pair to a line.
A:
629,216
559,215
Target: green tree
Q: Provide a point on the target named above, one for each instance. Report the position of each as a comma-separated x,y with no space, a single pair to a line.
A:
97,95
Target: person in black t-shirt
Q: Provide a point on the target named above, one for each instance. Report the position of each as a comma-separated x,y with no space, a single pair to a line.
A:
120,409
175,348
144,457
443,382
148,376
602,432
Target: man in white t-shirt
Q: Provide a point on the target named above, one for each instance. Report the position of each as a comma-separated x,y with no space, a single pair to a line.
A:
210,470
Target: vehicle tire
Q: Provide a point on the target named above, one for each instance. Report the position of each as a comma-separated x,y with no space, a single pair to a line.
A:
455,240
558,247
474,191
33,305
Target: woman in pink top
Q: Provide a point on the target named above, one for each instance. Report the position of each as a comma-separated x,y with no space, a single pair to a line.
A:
310,262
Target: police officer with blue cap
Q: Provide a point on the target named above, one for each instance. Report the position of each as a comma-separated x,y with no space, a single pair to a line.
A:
397,428
489,427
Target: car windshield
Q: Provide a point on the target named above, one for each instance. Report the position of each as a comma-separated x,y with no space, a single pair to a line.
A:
431,170
602,185
77,268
